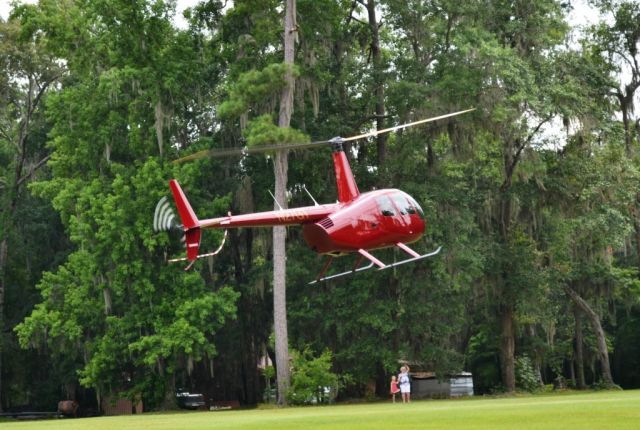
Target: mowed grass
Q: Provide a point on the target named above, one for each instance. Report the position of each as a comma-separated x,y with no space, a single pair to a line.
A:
600,410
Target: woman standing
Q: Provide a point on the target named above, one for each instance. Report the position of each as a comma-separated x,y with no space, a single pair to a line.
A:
405,384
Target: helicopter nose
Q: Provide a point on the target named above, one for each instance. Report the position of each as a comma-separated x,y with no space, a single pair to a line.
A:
416,226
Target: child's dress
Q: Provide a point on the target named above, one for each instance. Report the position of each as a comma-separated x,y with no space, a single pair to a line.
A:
394,387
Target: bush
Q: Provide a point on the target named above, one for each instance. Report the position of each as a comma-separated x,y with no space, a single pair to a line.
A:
526,378
602,385
312,381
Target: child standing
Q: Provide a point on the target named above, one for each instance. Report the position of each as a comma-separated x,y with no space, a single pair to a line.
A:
394,389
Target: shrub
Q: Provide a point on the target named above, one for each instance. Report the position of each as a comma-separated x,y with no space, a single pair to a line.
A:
526,378
312,380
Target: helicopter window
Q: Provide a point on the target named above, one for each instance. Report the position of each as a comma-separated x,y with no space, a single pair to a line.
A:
385,205
415,205
402,204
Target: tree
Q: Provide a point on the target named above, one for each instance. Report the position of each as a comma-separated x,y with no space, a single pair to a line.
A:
28,72
615,44
583,266
525,108
252,88
118,316
613,47
280,167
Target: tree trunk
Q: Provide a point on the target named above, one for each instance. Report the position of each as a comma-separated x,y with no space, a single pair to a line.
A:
579,352
280,167
507,309
572,372
601,341
378,80
507,348
280,313
626,103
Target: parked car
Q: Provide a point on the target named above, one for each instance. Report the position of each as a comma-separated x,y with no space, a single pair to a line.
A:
187,400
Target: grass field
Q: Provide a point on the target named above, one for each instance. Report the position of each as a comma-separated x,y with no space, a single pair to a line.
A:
580,411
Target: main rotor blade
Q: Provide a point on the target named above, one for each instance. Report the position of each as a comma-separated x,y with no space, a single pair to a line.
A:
410,124
225,152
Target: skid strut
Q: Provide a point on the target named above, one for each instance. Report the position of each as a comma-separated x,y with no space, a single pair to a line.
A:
373,260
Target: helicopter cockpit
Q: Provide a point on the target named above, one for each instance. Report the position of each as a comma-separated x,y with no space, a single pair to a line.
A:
398,202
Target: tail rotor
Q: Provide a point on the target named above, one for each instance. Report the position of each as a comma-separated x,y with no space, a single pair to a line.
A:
164,219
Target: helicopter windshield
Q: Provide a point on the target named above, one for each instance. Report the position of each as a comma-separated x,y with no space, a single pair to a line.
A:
402,204
385,205
414,206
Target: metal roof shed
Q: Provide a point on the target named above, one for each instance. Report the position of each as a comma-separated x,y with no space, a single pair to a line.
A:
426,385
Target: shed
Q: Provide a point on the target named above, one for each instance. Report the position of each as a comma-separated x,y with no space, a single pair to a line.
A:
427,385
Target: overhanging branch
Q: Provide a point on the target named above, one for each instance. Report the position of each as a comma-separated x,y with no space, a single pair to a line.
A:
33,169
510,168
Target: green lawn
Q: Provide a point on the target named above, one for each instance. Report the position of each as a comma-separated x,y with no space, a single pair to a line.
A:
580,411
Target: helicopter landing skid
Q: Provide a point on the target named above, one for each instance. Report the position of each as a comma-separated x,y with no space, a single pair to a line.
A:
374,261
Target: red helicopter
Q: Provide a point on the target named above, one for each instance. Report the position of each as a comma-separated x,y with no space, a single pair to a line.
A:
356,224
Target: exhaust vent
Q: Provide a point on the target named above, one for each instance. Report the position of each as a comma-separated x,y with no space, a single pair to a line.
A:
326,223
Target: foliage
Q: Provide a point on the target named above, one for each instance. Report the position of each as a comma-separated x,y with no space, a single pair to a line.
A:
262,131
526,378
254,87
311,378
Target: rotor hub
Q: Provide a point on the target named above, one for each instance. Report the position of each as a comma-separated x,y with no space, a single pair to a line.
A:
336,144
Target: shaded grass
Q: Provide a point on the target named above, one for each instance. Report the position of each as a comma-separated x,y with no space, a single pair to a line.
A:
579,411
